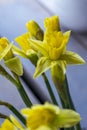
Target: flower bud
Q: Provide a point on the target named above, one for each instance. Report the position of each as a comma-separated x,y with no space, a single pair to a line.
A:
34,30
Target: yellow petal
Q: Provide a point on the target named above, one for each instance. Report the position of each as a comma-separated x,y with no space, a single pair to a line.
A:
6,50
16,122
23,41
52,23
7,125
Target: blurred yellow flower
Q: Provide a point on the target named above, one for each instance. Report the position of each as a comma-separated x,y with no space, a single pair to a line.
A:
50,117
11,125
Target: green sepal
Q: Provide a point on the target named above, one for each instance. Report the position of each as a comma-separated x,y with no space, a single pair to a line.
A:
32,56
19,52
72,58
67,118
44,127
59,70
42,65
15,65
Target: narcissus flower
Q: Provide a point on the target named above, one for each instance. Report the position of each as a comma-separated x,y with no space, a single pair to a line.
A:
5,49
53,49
11,125
23,40
49,117
13,63
7,125
25,49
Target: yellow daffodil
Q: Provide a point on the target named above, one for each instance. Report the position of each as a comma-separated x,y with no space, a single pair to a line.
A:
16,123
53,49
5,49
7,125
23,40
49,117
13,63
26,50
11,125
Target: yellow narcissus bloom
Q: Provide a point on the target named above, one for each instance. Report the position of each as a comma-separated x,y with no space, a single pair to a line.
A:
13,63
5,49
53,49
33,31
14,125
7,125
49,117
25,49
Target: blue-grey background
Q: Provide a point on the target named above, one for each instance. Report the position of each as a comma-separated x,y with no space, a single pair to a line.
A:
13,16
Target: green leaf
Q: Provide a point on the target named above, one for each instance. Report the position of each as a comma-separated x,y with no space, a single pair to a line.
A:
15,65
43,65
38,46
72,58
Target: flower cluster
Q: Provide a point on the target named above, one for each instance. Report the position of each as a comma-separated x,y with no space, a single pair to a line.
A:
46,50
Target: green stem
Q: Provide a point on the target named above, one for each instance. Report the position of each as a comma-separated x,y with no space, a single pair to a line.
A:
61,91
70,102
3,116
49,89
24,95
14,110
78,126
18,86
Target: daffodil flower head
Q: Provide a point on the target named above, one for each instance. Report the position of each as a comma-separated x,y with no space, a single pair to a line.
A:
7,125
50,117
26,50
13,63
12,124
16,123
54,49
55,43
5,49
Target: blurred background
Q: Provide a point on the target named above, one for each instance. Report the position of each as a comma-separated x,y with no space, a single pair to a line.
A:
13,16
